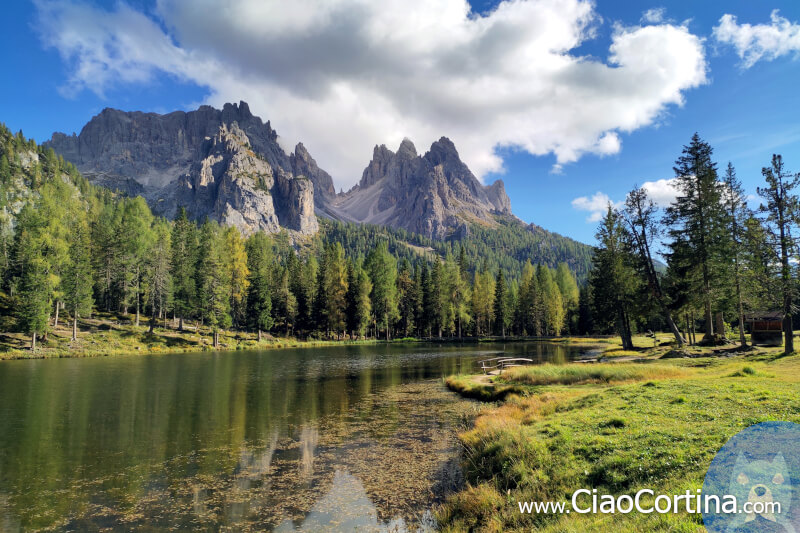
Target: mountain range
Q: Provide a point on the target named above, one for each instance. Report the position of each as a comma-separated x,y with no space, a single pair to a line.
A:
228,165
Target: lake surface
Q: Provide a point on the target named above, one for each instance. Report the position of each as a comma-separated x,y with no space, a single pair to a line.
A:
311,439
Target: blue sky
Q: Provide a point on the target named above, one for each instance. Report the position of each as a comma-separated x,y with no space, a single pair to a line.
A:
746,110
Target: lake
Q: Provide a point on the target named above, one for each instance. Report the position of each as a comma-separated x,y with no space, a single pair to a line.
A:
332,438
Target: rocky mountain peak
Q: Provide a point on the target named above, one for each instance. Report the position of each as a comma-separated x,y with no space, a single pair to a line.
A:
407,148
200,159
434,194
303,165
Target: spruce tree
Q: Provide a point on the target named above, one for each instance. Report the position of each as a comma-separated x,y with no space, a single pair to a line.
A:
502,312
781,210
696,224
613,279
184,264
382,268
77,279
259,295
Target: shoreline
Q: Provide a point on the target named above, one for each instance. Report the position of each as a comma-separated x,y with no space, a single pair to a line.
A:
103,338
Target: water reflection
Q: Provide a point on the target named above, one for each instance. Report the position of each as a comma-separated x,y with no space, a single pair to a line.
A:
242,439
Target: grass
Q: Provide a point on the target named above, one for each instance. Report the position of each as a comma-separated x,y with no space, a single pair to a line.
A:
107,335
549,374
617,427
480,389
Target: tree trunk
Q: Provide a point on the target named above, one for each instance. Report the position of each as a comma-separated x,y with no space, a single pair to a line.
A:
55,320
180,324
742,338
74,325
137,296
720,325
259,334
33,341
786,275
152,320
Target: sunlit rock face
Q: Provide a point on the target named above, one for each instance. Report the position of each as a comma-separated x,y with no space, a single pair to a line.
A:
434,194
223,164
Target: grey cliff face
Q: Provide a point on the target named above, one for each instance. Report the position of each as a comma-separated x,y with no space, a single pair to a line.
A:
217,163
434,194
228,165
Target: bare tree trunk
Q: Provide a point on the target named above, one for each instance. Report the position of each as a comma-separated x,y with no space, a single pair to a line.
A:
74,325
33,341
259,334
137,296
55,320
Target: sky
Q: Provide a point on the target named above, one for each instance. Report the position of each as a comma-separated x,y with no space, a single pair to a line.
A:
570,102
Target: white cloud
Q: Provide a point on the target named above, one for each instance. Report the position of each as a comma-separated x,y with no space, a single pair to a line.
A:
759,41
663,192
343,75
654,15
596,205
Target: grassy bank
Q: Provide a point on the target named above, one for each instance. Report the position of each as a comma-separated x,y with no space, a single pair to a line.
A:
618,427
104,337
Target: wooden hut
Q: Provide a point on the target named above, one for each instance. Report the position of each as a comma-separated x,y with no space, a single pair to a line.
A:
766,329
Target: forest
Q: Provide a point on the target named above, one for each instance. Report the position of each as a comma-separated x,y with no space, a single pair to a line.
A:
70,249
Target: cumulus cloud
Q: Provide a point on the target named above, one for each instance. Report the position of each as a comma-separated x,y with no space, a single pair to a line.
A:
596,205
654,15
663,192
343,75
759,41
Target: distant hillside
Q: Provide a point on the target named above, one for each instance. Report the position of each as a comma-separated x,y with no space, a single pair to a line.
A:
507,245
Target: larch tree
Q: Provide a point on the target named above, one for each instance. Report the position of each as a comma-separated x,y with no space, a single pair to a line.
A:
157,275
236,273
359,306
